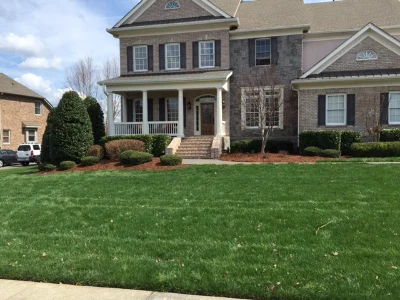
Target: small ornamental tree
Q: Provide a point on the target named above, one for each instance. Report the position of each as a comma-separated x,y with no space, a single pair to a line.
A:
71,133
45,151
96,116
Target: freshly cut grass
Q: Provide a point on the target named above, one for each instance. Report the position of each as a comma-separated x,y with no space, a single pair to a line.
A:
260,231
360,160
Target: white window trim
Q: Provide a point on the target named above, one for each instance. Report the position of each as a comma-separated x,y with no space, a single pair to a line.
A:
243,92
366,59
27,135
205,67
134,110
179,6
390,97
255,51
166,56
41,107
9,137
345,110
134,58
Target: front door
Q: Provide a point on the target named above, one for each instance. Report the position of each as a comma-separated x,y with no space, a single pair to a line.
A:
207,119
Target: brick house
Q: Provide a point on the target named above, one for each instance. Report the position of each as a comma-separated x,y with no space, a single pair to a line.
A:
183,61
23,114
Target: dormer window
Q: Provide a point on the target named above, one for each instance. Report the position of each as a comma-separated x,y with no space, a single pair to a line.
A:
367,55
172,5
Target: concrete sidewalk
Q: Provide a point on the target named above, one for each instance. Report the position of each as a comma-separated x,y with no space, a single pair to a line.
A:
24,290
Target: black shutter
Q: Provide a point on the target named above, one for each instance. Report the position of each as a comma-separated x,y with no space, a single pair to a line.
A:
218,53
183,55
129,52
150,109
321,110
351,110
161,109
252,52
195,55
274,51
150,57
184,111
129,108
384,109
161,56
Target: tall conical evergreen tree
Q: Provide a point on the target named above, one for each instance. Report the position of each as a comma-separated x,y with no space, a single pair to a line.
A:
96,116
71,134
45,151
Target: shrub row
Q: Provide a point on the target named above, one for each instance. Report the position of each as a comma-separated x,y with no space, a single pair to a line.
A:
89,161
154,144
135,158
115,148
315,151
254,146
377,149
97,151
390,135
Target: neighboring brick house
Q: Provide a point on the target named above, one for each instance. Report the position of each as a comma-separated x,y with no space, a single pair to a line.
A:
183,64
23,114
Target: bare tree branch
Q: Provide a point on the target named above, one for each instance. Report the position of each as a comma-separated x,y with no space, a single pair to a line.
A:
82,77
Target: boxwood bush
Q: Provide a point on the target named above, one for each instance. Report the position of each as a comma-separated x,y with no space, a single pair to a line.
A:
377,149
254,146
348,138
135,158
171,160
89,161
67,165
390,135
96,150
160,143
325,139
330,153
115,148
46,167
312,151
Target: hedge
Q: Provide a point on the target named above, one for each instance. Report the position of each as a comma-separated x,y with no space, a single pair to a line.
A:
89,161
254,146
67,165
135,158
390,135
171,160
330,153
348,138
326,139
96,150
377,149
160,143
115,148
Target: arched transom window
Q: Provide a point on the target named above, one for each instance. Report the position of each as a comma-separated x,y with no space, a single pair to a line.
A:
172,5
367,55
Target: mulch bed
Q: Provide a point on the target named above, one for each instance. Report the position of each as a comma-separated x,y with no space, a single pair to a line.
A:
106,165
270,158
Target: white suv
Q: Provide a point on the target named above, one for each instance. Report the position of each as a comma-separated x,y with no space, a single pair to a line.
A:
28,153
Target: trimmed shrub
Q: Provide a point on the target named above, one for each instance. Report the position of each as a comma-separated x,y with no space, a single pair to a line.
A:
46,167
159,144
390,135
275,146
115,148
254,146
147,139
171,160
330,153
97,151
89,161
348,138
377,149
312,151
135,158
71,131
240,146
67,165
96,116
45,149
326,139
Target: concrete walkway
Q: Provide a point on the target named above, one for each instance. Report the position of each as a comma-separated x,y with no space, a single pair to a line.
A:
23,290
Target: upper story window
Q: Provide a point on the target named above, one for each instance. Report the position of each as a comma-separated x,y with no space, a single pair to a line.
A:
207,54
38,107
263,52
140,61
394,108
336,109
367,55
172,56
172,5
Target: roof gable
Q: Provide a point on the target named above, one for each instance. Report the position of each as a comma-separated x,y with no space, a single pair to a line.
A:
154,10
369,31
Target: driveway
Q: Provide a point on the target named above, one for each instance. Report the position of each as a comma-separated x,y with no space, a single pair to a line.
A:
14,166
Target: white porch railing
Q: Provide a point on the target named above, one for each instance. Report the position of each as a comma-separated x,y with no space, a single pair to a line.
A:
135,128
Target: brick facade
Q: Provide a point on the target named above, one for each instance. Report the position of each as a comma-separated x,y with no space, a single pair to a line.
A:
387,59
365,98
289,67
187,38
157,11
17,109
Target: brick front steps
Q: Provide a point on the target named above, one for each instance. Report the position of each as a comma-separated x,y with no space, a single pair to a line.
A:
196,147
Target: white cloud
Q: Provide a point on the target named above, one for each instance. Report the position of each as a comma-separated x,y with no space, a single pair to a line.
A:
42,63
25,44
35,83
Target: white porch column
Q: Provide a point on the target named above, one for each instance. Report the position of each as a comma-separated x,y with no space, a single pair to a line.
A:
181,132
145,114
110,114
219,113
124,115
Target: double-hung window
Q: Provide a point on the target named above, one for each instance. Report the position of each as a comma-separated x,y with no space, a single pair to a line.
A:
138,111
140,58
263,52
38,107
336,106
394,108
31,136
6,136
207,54
172,56
172,110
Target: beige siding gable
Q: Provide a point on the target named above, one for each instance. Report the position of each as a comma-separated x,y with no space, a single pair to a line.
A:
387,59
157,11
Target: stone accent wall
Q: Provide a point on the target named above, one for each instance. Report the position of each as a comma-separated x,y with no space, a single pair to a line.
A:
157,11
364,101
187,38
15,110
387,59
289,68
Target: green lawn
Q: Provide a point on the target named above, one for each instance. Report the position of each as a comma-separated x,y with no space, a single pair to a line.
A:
239,231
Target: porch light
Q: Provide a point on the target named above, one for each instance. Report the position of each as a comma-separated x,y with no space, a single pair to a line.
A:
223,104
189,104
